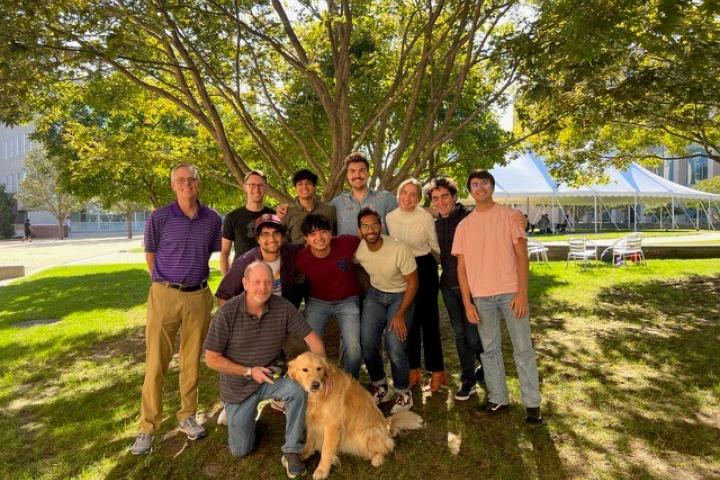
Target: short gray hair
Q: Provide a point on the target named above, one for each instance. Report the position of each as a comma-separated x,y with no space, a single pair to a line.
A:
256,263
193,169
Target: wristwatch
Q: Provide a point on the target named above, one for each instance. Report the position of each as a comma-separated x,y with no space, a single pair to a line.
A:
248,372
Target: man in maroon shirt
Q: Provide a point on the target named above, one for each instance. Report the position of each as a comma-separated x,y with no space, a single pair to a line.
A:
326,264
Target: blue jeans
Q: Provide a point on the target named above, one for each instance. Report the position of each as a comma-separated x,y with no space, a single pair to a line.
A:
241,417
378,310
347,314
489,309
467,339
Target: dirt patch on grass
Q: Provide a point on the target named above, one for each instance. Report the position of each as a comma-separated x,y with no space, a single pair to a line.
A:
35,323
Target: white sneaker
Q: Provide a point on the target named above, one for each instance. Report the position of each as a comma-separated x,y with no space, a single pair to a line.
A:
142,445
403,401
222,418
380,393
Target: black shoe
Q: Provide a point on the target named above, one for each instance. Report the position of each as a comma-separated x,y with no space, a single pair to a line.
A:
465,391
494,408
533,416
480,374
294,466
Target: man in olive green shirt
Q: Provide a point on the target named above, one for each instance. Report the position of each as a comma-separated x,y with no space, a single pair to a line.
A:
306,202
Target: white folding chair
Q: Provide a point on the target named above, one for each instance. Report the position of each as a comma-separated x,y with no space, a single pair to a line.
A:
581,249
537,248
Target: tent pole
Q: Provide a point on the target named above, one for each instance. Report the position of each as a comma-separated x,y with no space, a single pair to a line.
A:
662,207
635,214
595,212
672,212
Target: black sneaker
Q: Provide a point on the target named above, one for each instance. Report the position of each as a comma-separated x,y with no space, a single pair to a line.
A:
493,408
480,374
294,466
533,416
465,391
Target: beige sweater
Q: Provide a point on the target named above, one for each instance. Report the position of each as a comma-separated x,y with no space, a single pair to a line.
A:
415,229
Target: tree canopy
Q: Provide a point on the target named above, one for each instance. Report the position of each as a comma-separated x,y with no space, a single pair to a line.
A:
619,81
275,86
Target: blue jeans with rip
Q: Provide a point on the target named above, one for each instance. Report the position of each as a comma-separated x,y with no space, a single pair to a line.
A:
490,309
378,310
347,314
241,417
467,338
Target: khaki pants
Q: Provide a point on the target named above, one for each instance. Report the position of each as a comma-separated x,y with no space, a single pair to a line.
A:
170,310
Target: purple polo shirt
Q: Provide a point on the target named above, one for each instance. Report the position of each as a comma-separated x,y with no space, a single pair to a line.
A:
182,245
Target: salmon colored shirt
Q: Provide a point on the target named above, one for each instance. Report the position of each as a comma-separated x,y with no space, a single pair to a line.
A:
485,240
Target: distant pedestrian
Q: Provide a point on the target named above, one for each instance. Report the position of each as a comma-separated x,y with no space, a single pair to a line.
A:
28,231
67,225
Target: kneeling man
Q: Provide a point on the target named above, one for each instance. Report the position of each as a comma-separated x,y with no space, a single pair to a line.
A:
245,336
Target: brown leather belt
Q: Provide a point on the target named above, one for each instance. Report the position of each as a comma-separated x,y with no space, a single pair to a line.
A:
185,288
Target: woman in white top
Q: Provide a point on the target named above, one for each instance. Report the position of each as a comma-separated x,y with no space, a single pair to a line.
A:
415,227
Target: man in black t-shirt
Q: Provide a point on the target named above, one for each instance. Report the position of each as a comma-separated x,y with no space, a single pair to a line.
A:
239,225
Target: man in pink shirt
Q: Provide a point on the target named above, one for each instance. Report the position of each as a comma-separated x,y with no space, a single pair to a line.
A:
492,264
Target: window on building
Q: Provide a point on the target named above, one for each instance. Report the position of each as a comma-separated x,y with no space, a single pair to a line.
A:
697,169
670,168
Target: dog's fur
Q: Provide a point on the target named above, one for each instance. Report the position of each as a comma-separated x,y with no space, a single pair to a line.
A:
342,416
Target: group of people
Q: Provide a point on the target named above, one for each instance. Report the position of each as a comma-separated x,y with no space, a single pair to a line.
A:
368,258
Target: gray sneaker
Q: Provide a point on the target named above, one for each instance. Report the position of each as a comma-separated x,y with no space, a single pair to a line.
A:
192,429
294,466
142,445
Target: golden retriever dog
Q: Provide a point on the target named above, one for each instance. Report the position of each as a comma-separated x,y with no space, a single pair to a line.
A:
342,416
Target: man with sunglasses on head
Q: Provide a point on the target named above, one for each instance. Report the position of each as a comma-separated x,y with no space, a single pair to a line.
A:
239,225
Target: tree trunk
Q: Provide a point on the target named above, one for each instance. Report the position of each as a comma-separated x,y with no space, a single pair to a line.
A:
61,228
128,218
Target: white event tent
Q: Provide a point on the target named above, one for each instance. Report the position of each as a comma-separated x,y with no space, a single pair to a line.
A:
525,180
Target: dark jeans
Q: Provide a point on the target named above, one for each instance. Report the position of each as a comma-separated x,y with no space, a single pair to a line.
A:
378,309
425,328
467,339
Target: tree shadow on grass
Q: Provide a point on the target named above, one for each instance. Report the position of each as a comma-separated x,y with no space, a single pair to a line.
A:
644,367
55,297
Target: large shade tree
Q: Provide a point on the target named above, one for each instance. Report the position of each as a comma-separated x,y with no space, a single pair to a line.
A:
281,85
613,82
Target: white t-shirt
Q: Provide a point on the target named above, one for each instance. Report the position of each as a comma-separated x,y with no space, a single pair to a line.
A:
277,284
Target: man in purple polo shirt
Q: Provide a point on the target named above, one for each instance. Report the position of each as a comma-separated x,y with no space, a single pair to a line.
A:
179,240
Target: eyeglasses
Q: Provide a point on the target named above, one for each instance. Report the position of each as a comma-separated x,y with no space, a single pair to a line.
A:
437,198
484,183
183,180
369,226
258,186
269,235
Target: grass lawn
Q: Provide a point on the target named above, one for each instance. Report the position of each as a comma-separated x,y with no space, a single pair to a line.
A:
627,357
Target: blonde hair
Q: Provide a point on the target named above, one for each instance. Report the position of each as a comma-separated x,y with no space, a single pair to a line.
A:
409,181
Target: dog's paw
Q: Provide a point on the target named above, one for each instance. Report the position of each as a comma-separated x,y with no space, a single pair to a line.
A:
377,460
336,461
320,474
